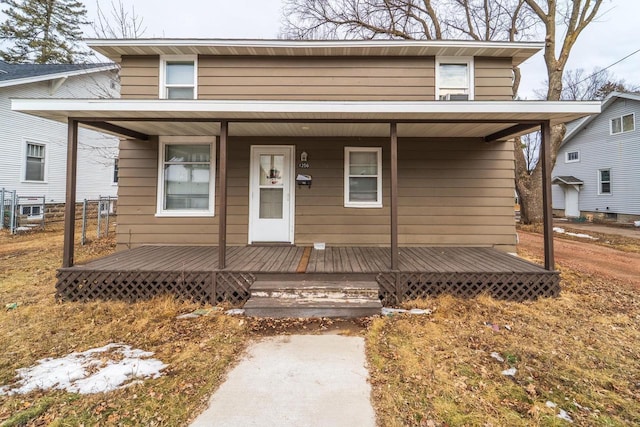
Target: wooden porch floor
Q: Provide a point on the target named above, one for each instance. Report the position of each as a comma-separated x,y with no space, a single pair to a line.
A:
292,259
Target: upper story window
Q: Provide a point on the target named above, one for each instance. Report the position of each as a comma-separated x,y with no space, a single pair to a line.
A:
626,123
178,77
35,162
454,78
572,156
363,177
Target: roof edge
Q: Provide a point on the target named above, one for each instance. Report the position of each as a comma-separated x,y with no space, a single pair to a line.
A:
58,75
612,97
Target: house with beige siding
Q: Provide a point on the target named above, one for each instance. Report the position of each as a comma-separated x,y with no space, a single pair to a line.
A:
253,163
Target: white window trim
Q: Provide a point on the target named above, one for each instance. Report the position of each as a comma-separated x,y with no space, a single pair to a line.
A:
114,183
186,140
23,157
621,125
31,216
350,204
600,193
468,60
566,156
162,88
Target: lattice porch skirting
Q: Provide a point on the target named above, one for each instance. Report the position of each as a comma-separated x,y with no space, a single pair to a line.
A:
199,286
398,287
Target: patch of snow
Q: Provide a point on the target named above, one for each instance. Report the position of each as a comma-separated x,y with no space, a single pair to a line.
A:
73,372
497,356
511,372
550,404
564,416
561,230
388,311
235,312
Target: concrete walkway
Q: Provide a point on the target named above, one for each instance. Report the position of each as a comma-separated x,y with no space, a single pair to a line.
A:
299,380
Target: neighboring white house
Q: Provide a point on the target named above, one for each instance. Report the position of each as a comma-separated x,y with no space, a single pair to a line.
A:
34,150
597,172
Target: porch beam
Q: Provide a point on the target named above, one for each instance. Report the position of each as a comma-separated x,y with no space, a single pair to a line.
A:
70,199
394,195
547,214
508,132
222,214
109,127
533,122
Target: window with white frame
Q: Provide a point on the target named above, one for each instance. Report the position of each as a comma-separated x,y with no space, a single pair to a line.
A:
186,179
626,123
178,77
604,181
454,78
31,211
35,162
363,177
116,170
572,156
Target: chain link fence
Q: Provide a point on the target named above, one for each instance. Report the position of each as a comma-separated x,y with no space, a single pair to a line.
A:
25,213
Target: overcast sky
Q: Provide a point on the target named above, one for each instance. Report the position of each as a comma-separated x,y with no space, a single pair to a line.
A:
614,36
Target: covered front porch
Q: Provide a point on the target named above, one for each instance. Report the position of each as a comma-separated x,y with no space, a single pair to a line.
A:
193,272
219,271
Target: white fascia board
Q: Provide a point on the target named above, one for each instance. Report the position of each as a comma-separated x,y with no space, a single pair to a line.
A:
305,44
355,107
54,76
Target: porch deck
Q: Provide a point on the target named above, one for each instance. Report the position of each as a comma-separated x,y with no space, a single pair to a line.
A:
192,272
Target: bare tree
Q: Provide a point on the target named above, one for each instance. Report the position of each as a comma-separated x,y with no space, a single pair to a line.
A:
118,22
577,85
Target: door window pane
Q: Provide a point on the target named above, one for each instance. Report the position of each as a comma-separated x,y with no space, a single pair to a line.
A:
271,167
271,203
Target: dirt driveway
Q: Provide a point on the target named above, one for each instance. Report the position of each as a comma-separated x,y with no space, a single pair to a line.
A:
587,257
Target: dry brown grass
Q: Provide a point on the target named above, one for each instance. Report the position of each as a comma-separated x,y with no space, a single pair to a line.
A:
580,351
198,352
614,241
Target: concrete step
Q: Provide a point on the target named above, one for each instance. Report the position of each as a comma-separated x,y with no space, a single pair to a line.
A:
311,307
314,289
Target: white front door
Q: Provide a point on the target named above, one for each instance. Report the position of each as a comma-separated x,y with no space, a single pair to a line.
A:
271,197
571,201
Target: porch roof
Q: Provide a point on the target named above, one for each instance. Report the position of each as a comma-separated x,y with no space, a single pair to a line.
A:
492,120
115,48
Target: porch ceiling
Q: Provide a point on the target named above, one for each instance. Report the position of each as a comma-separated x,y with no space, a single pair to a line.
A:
311,118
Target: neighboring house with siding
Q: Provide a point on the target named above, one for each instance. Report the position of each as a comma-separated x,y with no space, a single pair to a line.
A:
283,148
34,150
596,173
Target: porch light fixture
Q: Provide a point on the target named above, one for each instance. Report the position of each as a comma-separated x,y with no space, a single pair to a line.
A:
303,156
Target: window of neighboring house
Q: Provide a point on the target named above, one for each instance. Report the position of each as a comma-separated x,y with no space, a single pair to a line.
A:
454,78
623,124
178,77
35,162
31,211
572,156
186,177
115,171
604,181
363,177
